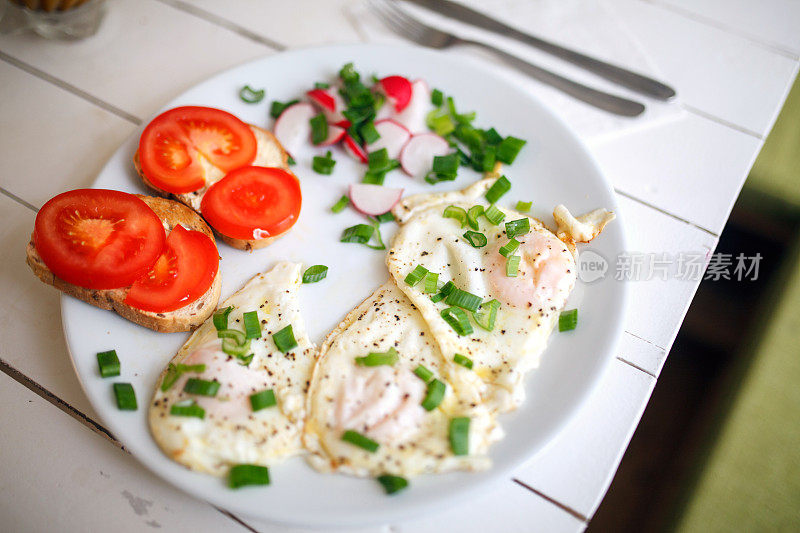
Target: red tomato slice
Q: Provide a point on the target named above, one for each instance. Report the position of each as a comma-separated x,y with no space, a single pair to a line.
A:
253,203
183,273
98,239
170,144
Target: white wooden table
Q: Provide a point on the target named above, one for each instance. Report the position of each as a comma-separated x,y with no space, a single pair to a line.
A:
65,107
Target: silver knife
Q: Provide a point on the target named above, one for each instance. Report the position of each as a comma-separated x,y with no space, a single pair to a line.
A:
631,80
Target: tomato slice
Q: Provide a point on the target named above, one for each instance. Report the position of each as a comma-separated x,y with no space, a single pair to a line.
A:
97,238
170,144
253,203
183,273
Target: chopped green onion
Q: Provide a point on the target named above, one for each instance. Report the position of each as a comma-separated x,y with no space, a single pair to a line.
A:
339,206
498,189
464,361
477,240
238,337
188,408
284,339
392,484
262,400
231,347
518,227
459,435
321,85
484,161
486,315
243,475
509,248
376,225
368,133
221,317
278,107
508,149
443,292
201,387
457,319
472,216
463,299
353,437
423,373
290,160
440,123
445,165
250,95
568,320
360,233
434,395
108,363
323,164
388,358
458,213
319,129
126,397
523,207
494,215
492,137
198,369
416,275
252,327
170,377
315,273
373,177
431,282
378,159
437,97
349,74
246,360
385,217
512,266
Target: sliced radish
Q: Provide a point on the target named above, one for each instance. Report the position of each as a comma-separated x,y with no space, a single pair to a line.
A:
330,102
414,115
373,200
417,155
292,128
397,90
335,134
343,123
353,148
393,137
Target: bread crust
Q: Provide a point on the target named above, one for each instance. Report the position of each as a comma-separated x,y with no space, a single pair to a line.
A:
184,319
193,198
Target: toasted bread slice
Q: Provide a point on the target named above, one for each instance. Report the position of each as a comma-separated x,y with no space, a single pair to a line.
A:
183,319
270,153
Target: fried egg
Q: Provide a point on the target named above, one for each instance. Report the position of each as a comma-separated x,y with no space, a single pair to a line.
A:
383,403
231,431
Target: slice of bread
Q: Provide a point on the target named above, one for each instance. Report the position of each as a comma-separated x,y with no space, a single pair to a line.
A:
184,319
270,153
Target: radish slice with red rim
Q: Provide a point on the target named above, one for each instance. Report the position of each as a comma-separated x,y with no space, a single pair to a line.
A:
373,200
417,155
335,134
330,102
398,91
393,136
292,128
353,148
414,115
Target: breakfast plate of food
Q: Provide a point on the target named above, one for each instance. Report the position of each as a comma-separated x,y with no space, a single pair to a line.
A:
338,286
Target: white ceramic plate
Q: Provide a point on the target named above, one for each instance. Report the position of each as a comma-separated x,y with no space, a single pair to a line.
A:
553,168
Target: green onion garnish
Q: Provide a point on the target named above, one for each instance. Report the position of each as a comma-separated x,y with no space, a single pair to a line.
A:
440,123
243,475
262,400
523,207
321,85
423,373
290,161
360,233
492,137
477,240
378,159
353,437
457,319
431,282
376,226
201,387
170,377
388,358
459,435
392,484
315,273
277,107
464,361
252,327
518,227
443,292
498,189
508,149
457,213
126,397
385,217
221,317
323,164
445,165
472,216
231,347
108,363
368,133
437,97
494,215
238,337
463,299
188,408
246,360
568,320
284,339
198,369
319,129
486,314
416,275
434,395
339,206
250,95
512,266
509,248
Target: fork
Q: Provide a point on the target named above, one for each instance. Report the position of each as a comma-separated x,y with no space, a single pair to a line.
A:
397,20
